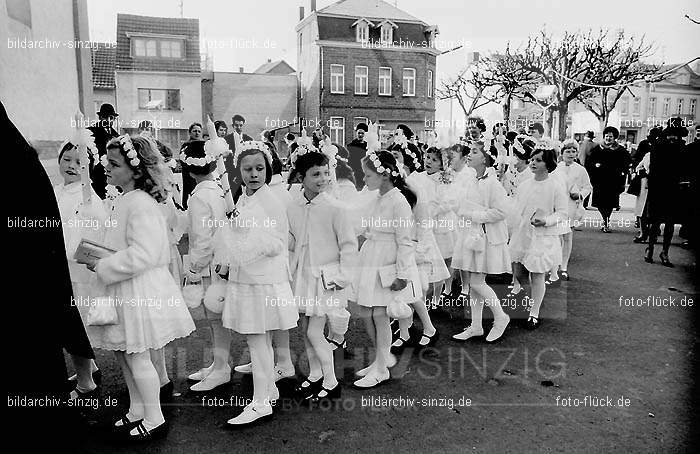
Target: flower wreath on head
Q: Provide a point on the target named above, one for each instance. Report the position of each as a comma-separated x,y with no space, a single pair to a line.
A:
211,154
470,143
304,145
252,145
402,140
331,151
132,156
544,144
87,139
380,168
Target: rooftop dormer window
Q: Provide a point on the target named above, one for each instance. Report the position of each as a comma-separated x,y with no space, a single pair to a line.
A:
154,46
362,30
387,31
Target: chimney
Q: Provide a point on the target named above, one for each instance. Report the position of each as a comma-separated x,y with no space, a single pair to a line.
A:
313,5
240,69
301,13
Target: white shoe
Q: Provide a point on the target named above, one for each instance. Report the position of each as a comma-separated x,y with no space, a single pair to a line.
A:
365,371
468,333
282,373
201,374
251,413
497,330
246,369
372,380
213,380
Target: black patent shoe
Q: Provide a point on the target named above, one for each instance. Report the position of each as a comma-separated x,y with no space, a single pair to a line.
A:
398,346
308,388
648,257
639,239
145,435
126,425
325,394
532,323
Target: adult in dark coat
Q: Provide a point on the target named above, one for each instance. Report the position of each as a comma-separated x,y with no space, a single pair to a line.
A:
607,166
237,121
188,183
103,132
358,149
663,183
42,321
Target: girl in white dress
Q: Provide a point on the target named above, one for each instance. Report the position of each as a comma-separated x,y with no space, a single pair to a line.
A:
387,264
259,299
442,198
78,222
206,213
431,266
323,253
517,172
482,243
578,187
463,177
136,278
535,247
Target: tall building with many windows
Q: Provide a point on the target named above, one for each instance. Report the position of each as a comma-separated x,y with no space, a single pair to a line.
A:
158,76
365,60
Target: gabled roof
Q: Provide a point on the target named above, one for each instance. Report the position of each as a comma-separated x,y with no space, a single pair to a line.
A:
387,21
130,25
103,62
375,9
275,67
363,19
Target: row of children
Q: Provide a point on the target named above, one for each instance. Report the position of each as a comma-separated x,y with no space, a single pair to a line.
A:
273,253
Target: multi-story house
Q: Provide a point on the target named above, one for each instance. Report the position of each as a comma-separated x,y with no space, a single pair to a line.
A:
158,76
652,104
360,61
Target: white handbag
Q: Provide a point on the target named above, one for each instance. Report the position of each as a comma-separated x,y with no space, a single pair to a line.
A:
102,312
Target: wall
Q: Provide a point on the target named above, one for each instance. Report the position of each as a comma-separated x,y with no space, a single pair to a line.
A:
130,115
417,111
267,101
39,86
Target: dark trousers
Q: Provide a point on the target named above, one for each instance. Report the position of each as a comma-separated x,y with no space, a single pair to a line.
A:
654,229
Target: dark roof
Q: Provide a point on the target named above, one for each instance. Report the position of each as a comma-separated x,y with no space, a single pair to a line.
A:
370,9
275,67
103,61
341,29
132,24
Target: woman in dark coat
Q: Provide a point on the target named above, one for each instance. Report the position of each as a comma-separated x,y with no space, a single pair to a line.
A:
42,321
607,166
663,186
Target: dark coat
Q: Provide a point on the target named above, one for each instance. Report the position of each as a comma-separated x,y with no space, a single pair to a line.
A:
97,172
663,181
40,320
607,168
357,150
228,161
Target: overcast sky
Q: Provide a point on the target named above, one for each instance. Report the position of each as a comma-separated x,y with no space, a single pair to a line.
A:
484,26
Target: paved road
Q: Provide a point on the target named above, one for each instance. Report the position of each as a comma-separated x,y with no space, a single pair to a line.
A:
633,361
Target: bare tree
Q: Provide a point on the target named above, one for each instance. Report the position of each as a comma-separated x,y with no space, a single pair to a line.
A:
514,82
617,63
579,59
470,88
